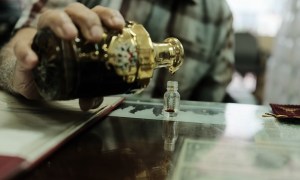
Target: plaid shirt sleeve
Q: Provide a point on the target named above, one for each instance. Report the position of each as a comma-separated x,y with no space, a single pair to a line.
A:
209,51
213,85
30,13
33,9
205,29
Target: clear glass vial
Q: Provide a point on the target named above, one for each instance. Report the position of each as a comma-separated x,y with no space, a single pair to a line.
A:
171,99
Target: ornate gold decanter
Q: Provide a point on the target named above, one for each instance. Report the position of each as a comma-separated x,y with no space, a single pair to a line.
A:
122,62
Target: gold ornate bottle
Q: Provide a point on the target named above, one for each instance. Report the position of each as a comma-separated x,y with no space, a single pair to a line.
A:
122,62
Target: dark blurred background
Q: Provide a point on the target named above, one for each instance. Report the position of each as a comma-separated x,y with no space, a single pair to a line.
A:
10,11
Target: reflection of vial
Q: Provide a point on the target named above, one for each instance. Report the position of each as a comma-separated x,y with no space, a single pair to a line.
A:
171,99
170,134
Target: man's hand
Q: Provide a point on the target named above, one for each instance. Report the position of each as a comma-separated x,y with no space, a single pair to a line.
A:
63,23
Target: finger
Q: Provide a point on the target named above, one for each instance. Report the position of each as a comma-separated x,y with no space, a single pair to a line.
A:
110,17
87,20
59,22
23,81
90,103
97,102
27,59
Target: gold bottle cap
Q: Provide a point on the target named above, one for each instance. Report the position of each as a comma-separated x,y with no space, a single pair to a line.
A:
178,54
172,84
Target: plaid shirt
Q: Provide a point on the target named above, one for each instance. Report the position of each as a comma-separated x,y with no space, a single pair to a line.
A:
203,26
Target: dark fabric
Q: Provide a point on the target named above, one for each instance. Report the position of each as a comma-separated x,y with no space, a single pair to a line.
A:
10,12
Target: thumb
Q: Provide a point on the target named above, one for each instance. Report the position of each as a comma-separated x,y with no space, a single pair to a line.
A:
26,58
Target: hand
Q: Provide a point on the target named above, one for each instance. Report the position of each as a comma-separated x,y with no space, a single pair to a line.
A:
63,23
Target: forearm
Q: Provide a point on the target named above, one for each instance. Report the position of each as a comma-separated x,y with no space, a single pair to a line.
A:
7,64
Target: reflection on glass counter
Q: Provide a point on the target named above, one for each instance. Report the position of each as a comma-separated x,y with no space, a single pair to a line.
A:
205,140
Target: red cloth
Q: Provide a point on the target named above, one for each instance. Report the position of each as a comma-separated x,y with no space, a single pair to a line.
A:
283,111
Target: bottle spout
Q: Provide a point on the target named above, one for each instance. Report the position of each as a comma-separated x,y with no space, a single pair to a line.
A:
169,54
177,55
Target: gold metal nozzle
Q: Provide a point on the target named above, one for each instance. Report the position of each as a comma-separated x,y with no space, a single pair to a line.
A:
178,56
169,54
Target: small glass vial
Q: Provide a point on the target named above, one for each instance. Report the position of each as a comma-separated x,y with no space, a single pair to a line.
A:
171,100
